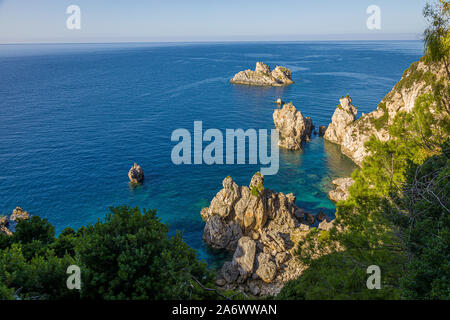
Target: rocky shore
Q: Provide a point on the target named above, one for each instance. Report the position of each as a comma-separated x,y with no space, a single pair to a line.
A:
263,76
352,133
262,228
293,126
18,214
341,192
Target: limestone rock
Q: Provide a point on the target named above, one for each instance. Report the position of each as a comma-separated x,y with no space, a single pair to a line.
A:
344,115
4,226
263,76
352,134
293,126
19,214
326,225
244,257
219,234
136,174
341,193
266,268
250,221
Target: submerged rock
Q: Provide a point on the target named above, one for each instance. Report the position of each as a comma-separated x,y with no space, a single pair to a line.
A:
136,174
261,227
341,192
263,76
293,126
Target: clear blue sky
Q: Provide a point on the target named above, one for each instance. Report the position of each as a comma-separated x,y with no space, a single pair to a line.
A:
207,20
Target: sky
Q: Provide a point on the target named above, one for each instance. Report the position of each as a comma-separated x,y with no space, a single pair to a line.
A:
44,21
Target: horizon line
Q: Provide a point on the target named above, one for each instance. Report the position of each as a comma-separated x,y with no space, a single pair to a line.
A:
272,38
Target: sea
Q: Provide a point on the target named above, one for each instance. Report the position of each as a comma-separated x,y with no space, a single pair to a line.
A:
75,117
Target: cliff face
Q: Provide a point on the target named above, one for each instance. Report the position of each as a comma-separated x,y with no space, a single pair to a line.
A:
352,133
293,126
263,76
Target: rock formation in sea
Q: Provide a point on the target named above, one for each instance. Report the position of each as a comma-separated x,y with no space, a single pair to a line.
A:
341,192
136,174
322,130
293,126
352,133
19,214
263,76
262,228
343,116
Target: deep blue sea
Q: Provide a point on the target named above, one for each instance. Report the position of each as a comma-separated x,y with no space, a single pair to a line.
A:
74,118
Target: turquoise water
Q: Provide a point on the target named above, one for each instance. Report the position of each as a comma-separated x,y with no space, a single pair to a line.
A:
74,118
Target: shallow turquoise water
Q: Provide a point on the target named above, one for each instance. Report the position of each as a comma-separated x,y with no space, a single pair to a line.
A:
74,118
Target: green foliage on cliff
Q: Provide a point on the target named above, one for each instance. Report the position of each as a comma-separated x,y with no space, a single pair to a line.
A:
128,255
397,215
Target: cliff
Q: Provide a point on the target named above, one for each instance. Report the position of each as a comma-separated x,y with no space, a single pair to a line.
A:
263,76
352,133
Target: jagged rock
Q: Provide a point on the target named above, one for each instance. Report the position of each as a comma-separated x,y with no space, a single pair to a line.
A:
250,221
266,268
244,257
293,126
326,225
322,130
4,226
352,134
262,76
341,192
219,234
19,214
279,101
136,174
344,115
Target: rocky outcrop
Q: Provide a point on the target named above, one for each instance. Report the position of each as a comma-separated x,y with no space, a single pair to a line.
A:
322,130
261,227
4,226
293,127
352,133
326,225
263,76
344,115
341,192
136,174
19,214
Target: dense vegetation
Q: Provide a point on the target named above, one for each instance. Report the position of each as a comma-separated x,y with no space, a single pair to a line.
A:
397,215
129,255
